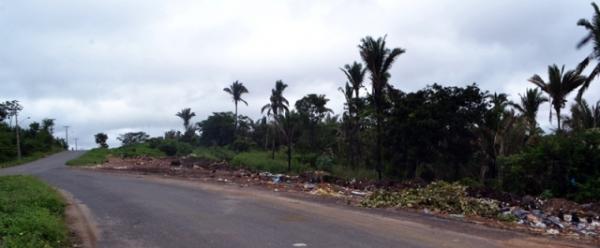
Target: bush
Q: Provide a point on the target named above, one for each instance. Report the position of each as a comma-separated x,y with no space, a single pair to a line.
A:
261,161
215,153
137,150
567,166
242,144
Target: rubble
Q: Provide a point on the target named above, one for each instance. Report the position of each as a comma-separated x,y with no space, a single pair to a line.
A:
556,217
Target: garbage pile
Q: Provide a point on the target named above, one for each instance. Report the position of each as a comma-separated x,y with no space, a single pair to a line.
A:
439,197
556,216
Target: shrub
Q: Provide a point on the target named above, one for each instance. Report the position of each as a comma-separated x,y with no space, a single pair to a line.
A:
564,165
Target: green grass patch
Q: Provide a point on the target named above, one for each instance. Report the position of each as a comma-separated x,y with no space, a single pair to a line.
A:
214,153
350,173
261,161
136,150
31,214
91,157
30,158
100,155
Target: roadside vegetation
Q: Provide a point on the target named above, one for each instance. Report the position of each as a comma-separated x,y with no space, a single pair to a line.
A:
438,133
31,214
20,145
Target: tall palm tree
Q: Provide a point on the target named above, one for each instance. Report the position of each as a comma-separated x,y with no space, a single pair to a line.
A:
277,104
558,87
186,115
355,74
529,106
583,116
593,36
236,90
378,59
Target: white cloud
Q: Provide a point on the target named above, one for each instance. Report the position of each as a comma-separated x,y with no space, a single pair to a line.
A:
129,65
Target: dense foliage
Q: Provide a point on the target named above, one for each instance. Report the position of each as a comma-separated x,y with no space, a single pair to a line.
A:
34,141
451,133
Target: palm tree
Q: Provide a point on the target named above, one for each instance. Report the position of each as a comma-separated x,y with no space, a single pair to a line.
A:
583,116
529,106
558,87
355,75
288,123
236,90
277,104
593,36
186,115
378,59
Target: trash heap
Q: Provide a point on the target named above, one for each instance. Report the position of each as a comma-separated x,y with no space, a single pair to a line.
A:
556,216
441,197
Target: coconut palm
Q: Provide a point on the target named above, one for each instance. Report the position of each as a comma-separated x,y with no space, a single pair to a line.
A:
236,90
276,106
583,116
529,106
593,36
378,59
355,74
186,115
558,87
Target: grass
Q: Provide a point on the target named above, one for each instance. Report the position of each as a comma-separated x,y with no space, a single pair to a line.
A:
31,214
261,161
100,155
214,153
349,173
91,157
29,158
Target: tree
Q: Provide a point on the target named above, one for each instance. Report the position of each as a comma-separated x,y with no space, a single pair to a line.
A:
132,138
236,90
48,125
593,36
186,115
378,59
583,116
277,104
558,87
101,140
529,106
355,74
217,129
288,123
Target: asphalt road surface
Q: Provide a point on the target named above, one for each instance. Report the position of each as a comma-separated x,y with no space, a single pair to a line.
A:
136,211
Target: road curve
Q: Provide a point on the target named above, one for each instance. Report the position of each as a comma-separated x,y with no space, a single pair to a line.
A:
135,211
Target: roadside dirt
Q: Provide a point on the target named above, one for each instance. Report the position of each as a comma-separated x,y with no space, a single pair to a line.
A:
82,227
329,199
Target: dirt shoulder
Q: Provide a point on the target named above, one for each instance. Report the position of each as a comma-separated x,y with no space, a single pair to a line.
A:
82,227
326,200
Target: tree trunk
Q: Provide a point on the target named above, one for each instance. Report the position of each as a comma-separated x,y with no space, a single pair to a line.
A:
18,138
236,118
558,118
379,144
289,153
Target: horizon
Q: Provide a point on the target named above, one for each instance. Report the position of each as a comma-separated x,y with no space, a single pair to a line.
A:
124,67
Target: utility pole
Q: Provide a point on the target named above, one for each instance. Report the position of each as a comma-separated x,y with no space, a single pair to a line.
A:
75,143
67,136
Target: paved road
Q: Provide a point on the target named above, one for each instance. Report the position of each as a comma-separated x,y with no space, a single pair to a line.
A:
135,211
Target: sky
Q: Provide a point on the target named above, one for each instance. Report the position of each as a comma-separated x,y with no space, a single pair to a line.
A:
115,66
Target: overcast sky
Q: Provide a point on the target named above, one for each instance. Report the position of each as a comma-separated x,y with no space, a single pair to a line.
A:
121,65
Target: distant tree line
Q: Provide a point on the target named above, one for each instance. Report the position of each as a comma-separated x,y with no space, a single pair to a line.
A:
14,138
436,133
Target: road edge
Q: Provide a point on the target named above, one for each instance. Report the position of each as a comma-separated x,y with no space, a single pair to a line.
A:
80,220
